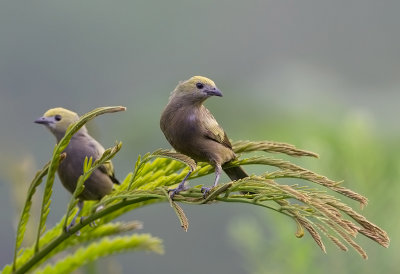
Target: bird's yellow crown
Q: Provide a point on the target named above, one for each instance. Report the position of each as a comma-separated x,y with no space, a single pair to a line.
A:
200,79
60,111
66,117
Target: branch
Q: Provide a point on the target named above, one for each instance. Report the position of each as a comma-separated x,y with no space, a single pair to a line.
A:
310,207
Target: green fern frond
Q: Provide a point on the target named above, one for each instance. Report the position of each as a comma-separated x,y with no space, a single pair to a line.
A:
105,247
26,210
87,234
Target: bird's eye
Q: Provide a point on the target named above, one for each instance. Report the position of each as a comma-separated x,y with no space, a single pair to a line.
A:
199,85
58,117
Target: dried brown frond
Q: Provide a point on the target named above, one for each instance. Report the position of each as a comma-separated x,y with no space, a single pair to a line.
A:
332,215
346,238
269,146
369,229
314,233
289,170
176,156
335,240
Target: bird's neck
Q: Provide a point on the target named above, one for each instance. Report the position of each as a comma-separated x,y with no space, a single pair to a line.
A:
186,102
81,132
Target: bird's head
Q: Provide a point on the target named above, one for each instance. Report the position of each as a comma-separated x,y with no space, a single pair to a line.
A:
197,88
57,120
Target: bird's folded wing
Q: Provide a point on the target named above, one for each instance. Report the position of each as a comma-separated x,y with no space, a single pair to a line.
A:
108,169
214,131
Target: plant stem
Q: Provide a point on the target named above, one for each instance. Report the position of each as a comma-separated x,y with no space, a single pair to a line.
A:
65,235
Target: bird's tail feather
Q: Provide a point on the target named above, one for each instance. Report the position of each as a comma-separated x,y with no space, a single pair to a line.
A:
115,180
235,173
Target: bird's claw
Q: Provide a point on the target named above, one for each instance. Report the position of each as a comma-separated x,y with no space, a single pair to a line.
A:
91,224
67,229
205,191
174,191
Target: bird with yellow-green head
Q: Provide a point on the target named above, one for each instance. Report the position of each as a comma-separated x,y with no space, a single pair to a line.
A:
81,145
192,130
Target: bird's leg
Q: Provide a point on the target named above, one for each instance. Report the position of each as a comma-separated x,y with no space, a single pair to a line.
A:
80,206
180,187
218,170
93,224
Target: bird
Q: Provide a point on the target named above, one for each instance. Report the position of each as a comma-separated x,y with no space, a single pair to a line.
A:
192,130
81,145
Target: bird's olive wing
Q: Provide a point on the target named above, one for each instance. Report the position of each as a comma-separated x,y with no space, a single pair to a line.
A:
214,131
108,169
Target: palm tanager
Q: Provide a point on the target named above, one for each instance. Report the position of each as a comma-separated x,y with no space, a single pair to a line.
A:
82,145
192,130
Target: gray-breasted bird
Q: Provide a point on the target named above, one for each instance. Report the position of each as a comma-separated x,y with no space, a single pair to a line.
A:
82,145
192,130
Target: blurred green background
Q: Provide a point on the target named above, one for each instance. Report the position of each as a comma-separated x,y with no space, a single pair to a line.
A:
323,75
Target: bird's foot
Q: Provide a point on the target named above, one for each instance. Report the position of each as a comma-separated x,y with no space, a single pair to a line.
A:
174,191
91,224
205,191
67,229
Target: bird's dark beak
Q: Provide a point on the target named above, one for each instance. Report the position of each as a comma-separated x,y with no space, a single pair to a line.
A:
43,120
213,92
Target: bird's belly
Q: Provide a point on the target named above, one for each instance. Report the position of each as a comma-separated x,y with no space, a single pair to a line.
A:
203,149
187,136
187,143
96,186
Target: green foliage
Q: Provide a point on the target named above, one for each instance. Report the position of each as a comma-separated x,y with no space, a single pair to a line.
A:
26,210
313,210
105,247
